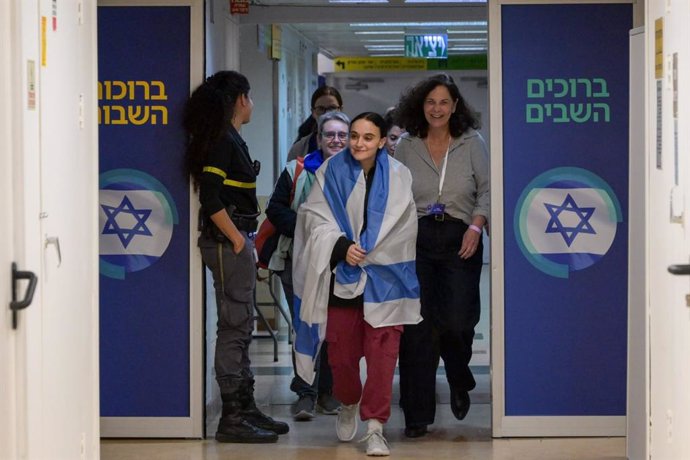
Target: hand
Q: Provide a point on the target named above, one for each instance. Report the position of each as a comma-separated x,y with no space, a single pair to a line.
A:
470,243
355,255
238,243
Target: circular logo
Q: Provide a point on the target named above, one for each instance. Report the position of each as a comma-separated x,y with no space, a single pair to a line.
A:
136,218
566,220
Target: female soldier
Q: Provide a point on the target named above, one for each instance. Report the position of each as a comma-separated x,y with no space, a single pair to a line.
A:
449,163
218,162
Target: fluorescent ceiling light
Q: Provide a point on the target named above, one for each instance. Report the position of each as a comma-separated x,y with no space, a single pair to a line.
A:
382,40
445,1
420,24
379,32
465,31
467,48
385,47
386,55
357,1
467,40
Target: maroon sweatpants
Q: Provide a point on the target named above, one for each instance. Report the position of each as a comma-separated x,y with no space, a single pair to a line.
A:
349,339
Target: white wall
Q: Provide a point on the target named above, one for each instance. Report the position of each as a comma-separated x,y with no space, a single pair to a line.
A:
297,79
668,240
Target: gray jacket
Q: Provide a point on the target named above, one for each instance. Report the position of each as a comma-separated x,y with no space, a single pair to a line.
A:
466,186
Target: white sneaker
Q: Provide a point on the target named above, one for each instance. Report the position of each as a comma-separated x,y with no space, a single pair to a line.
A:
346,423
377,446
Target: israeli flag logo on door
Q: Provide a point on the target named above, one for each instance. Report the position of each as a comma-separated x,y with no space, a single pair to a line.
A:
136,219
566,220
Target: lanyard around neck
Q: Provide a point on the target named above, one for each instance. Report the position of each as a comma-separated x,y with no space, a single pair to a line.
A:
443,171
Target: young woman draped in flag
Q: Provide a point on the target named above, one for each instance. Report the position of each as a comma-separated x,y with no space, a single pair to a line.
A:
355,283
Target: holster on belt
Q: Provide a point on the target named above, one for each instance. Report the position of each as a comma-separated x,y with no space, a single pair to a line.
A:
243,222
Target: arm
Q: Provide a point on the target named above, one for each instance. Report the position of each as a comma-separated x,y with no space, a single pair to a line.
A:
278,210
212,177
480,169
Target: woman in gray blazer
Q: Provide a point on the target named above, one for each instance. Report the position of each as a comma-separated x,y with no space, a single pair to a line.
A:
449,164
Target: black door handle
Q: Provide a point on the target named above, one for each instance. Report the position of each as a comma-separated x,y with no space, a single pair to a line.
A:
17,305
679,269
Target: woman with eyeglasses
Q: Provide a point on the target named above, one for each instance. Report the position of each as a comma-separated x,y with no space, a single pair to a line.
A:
290,192
324,99
355,284
449,162
221,169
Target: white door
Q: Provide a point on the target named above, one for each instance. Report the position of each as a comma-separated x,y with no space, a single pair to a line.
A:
48,189
669,231
8,424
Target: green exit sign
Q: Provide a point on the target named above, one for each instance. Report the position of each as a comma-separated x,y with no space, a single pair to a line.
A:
430,46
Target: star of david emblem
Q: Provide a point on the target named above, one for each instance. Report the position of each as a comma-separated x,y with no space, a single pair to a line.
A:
112,227
569,233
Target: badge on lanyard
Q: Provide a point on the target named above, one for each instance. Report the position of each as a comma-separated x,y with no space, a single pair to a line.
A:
438,209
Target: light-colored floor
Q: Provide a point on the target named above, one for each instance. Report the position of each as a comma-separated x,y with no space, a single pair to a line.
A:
449,438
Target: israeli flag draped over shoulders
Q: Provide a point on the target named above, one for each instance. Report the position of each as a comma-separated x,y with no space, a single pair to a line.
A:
387,277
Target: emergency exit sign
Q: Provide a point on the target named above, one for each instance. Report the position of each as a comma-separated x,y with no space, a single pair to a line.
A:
430,46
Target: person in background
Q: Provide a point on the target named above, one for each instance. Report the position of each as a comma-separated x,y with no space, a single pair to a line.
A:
324,99
449,162
394,133
221,169
333,133
354,281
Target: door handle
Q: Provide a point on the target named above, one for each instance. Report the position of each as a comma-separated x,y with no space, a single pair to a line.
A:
55,241
17,305
679,269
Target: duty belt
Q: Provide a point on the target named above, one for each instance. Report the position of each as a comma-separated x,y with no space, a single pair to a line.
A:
247,223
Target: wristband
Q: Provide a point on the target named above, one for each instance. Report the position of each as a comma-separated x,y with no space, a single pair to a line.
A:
476,229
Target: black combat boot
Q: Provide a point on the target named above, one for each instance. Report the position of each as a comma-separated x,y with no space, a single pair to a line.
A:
233,427
253,415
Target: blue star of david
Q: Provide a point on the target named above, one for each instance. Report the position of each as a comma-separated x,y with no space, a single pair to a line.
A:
126,234
569,233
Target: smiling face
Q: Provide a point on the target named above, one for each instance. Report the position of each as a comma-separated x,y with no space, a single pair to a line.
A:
438,106
334,135
365,141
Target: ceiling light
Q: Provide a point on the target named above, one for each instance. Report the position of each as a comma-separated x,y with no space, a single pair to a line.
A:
382,40
385,47
386,55
379,32
445,1
467,48
420,24
467,40
357,1
466,31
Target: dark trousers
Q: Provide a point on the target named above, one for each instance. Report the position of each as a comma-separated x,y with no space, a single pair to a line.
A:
450,308
323,382
234,278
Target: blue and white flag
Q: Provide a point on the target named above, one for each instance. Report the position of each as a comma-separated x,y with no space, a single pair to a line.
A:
387,277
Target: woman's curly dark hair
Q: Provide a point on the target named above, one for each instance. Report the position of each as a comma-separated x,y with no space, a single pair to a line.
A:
207,116
410,109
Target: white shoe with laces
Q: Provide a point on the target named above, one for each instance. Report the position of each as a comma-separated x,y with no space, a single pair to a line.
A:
346,423
377,446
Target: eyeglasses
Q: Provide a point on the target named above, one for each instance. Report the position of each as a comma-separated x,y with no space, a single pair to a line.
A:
320,109
331,135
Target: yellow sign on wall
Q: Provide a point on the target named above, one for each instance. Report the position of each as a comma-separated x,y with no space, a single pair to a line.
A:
380,64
